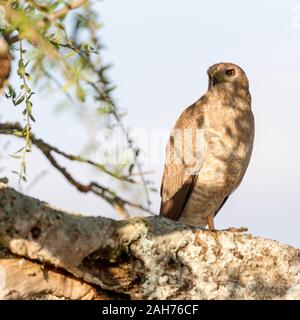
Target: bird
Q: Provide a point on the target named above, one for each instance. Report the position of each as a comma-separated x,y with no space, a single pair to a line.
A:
209,149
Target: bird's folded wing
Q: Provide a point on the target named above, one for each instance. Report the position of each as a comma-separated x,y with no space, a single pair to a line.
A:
185,153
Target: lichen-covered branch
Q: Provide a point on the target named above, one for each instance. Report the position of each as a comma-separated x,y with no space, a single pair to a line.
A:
150,258
25,279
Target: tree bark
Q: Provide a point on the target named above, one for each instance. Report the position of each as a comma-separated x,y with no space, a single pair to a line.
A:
26,279
144,258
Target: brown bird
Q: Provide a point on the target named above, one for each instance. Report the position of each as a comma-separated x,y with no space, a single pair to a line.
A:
209,149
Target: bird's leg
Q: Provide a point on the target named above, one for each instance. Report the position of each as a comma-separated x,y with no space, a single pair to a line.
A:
210,222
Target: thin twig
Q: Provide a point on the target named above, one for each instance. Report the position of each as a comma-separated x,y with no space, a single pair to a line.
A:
62,12
53,16
93,187
129,141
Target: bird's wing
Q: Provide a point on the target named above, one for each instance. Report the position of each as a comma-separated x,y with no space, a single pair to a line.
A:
185,151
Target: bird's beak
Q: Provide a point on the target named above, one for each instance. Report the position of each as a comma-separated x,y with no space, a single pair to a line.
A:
213,81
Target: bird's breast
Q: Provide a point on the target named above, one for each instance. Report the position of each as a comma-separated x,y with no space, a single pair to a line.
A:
228,132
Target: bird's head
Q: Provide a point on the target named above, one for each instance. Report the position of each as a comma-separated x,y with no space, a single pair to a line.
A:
227,74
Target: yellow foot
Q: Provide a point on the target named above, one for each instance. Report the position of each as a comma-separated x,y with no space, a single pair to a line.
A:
210,223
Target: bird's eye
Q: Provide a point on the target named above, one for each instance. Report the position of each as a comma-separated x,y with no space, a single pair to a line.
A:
230,72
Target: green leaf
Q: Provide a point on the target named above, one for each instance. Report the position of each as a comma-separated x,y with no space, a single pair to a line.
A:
110,89
20,100
31,117
80,94
102,110
31,93
29,145
15,156
21,68
29,106
131,167
19,133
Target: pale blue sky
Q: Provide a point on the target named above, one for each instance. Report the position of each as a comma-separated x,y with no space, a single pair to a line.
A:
161,51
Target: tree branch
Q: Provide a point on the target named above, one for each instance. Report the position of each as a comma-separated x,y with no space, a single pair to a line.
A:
150,258
26,279
110,196
63,11
53,16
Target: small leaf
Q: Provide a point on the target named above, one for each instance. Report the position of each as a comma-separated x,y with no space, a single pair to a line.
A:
31,93
29,106
110,89
80,94
30,144
32,117
19,101
131,167
15,156
21,69
19,133
137,152
54,6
